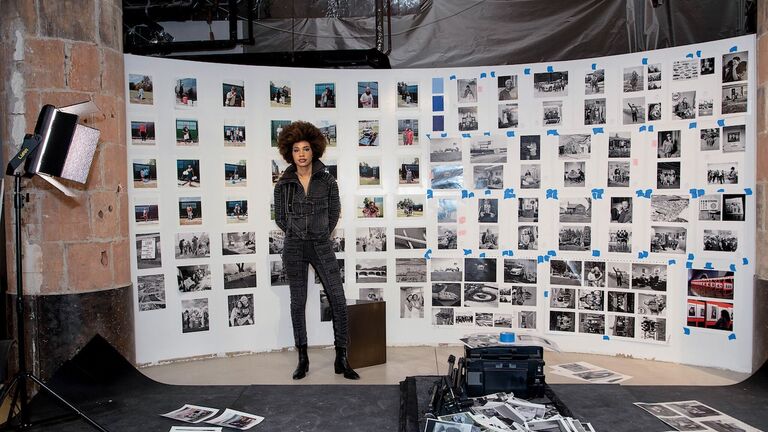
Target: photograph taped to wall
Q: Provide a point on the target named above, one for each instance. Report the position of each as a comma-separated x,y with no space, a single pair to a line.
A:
488,210
668,175
408,171
466,319
709,208
484,319
620,326
151,292
530,176
408,132
621,209
370,207
140,89
410,270
530,147
466,90
407,94
233,93
369,172
528,237
520,270
707,66
561,321
620,239
444,150
240,310
190,211
575,238
669,240
565,272
527,209
652,329
488,149
367,94
371,271
735,66
446,294
236,211
591,299
277,273
618,174
192,245
684,105
594,111
442,316
446,269
507,87
715,284
188,173
193,278
552,113
480,269
449,176
368,133
619,145
507,116
633,110
146,212
723,173
575,210
326,312
236,173
279,94
594,274
410,237
371,294
720,240
734,138
710,139
634,78
594,82
734,99
706,106
325,95
276,128
618,275
670,208
447,237
550,84
519,295
338,242
710,314
238,243
411,302
145,173
410,206
467,118
526,320
654,111
669,144
503,320
371,239
481,295
488,176
649,277
148,251
328,129
574,174
240,275
488,237
591,323
651,304
733,207
654,76
142,132
685,70
186,92
234,133
619,301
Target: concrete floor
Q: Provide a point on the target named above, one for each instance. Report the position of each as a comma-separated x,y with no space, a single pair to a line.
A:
276,368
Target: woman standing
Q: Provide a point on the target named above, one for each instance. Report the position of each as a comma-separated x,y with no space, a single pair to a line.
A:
307,208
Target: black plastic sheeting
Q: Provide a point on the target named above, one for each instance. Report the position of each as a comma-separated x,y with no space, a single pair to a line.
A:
453,33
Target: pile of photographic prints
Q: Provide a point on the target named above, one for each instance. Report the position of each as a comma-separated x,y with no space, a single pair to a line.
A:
590,373
228,418
693,416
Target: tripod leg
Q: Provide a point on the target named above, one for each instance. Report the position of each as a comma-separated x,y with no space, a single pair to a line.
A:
12,387
67,404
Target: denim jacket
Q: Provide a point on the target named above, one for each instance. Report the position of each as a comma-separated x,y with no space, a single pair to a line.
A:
312,216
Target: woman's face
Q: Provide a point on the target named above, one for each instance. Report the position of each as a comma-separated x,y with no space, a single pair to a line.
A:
302,154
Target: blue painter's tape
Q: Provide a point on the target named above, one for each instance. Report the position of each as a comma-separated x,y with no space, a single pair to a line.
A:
642,128
689,264
471,194
650,128
744,261
698,53
721,122
732,336
444,134
708,266
510,133
732,267
483,75
527,71
644,60
672,262
694,192
509,193
701,192
642,254
429,136
552,132
689,55
594,66
540,259
507,252
546,294
493,74
552,194
686,331
691,257
507,337
452,77
466,135
430,193
437,85
721,190
551,252
692,125
606,337
486,133
467,251
597,130
748,191
733,49
550,69
595,253
487,191
597,193
464,193
428,254
482,254
639,193
546,258
648,193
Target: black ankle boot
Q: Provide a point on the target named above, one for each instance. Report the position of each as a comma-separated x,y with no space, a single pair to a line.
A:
341,365
303,367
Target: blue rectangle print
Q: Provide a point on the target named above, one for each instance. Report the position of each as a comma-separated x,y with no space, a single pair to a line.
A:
437,85
438,123
438,103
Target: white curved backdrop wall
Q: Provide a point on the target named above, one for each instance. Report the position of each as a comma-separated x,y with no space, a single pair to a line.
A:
564,218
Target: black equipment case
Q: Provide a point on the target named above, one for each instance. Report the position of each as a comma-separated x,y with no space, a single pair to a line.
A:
516,369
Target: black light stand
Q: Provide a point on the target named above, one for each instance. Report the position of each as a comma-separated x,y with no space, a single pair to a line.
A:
18,385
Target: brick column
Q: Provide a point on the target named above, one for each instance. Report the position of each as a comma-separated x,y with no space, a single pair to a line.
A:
760,345
76,252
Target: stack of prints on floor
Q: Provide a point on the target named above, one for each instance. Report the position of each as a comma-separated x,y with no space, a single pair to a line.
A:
199,414
502,412
584,371
695,416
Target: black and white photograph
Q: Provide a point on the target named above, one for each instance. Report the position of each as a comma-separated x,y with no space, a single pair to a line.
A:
411,302
621,209
446,269
240,310
488,210
488,237
191,413
710,139
668,175
276,128
188,173
618,274
148,251
480,295
442,316
707,66
367,94
528,237
734,99
683,70
654,111
369,172
236,419
193,278
480,269
594,274
649,277
190,211
449,176
234,133
562,321
550,84
526,320
619,145
575,238
530,176
633,110
326,312
552,113
634,79
371,271
146,213
187,132
619,301
447,426
371,239
591,299
594,111
447,237
235,173
654,76
407,132
410,269
575,210
238,243
446,294
519,295
669,144
142,132
279,94
654,329
488,176
467,118
371,294
620,240
192,245
140,89
277,274
233,93
669,240
368,133
407,94
721,240
620,326
484,319
684,105
466,90
594,82
706,106
507,116
370,207
444,150
240,275
503,320
530,147
186,92
519,270
733,207
446,210
565,272
669,208
527,209
486,149
735,66
693,409
710,208
325,95
507,87
237,210
723,173
734,138
651,304
410,206
151,292
618,174
410,237
574,174
194,315
328,129
591,323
